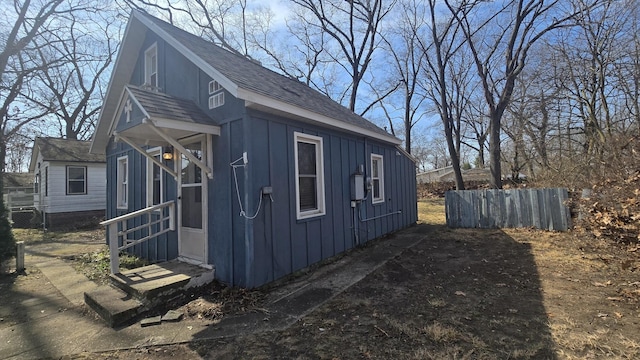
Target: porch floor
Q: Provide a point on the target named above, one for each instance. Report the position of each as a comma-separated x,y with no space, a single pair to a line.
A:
149,281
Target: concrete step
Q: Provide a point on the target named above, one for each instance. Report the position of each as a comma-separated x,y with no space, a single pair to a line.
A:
140,290
150,282
113,305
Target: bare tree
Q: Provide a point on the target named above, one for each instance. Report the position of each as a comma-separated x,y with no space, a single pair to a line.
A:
354,25
445,88
72,90
222,21
500,43
408,62
17,66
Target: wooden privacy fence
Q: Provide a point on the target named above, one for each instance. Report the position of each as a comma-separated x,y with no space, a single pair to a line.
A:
539,208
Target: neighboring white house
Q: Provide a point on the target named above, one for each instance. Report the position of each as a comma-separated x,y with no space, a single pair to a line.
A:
446,174
433,175
69,182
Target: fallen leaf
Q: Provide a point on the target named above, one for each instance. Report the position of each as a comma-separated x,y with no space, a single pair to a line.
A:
618,315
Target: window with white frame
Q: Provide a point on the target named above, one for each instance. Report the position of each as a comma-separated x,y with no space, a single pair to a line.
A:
122,189
76,180
151,66
154,178
309,165
377,178
216,94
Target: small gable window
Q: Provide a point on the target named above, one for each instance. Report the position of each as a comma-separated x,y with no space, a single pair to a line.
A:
309,165
123,182
151,67
377,178
76,180
216,94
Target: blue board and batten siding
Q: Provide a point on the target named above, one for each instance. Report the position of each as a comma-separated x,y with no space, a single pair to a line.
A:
254,252
281,243
163,247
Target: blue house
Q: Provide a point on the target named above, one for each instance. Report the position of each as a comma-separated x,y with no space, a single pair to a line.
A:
215,160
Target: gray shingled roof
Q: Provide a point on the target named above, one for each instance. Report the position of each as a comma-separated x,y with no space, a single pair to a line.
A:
249,75
54,149
159,105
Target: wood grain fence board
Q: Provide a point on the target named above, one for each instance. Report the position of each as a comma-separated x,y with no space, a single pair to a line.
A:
513,208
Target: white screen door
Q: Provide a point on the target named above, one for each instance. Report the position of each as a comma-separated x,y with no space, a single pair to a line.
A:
193,202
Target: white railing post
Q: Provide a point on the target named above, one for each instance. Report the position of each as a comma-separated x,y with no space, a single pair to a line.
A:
114,253
172,216
114,234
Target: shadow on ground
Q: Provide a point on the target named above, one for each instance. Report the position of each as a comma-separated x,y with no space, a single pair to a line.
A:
464,293
30,305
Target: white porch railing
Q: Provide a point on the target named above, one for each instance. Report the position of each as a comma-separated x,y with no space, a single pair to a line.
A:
117,228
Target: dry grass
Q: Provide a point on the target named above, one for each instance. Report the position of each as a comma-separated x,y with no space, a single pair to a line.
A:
431,211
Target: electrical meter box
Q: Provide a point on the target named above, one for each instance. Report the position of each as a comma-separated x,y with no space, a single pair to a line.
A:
357,187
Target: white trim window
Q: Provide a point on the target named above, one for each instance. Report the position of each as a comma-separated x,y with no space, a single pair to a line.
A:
151,66
122,185
76,180
309,172
216,94
154,178
377,178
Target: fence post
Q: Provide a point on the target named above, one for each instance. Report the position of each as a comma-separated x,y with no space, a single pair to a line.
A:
20,256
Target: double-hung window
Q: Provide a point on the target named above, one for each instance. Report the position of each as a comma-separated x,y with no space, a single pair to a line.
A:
309,165
76,180
377,178
151,67
123,182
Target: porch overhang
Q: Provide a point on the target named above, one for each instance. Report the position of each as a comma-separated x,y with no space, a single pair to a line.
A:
166,121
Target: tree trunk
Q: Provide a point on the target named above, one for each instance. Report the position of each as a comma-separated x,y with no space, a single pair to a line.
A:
494,152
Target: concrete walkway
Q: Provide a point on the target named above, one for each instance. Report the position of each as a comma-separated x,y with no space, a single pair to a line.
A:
52,332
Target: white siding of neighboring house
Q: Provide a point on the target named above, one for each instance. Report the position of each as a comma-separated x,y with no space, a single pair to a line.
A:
39,200
434,175
58,201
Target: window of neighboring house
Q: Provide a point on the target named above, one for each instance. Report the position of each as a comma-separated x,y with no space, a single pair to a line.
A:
216,94
46,181
122,182
36,183
151,66
377,178
154,178
76,180
309,165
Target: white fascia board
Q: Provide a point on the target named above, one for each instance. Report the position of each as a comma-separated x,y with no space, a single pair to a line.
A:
135,101
119,77
185,126
252,97
190,55
113,123
34,158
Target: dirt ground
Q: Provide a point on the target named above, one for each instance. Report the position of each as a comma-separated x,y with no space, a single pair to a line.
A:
462,294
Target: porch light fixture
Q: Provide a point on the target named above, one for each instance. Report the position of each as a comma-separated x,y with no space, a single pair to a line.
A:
167,153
